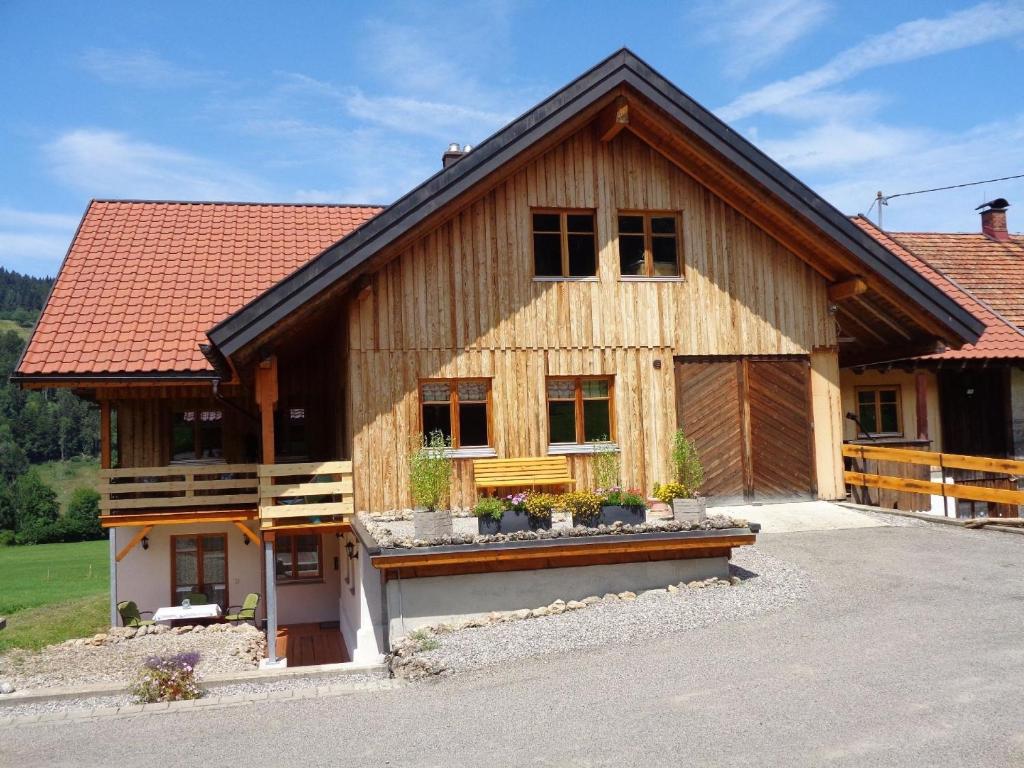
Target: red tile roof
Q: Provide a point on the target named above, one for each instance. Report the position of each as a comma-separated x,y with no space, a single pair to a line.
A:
993,271
144,281
1001,337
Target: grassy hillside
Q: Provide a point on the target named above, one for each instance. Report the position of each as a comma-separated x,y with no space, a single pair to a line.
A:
66,476
52,592
10,325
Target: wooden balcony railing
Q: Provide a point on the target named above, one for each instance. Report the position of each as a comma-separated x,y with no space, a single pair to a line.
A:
220,486
313,490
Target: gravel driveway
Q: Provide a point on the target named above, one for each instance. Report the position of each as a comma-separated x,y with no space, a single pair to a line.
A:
907,650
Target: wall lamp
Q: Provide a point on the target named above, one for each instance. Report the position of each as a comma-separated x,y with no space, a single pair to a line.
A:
350,550
145,542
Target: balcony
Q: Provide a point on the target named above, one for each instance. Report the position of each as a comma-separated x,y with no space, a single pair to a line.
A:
278,495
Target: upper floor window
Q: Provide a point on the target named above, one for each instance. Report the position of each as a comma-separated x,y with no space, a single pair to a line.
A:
290,432
649,245
197,434
878,409
564,244
579,410
458,408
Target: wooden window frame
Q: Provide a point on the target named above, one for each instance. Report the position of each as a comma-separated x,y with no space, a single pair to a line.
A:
578,399
876,388
649,236
563,228
197,432
199,564
293,577
453,407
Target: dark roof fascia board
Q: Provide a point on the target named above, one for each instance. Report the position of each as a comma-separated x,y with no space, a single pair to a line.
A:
170,377
262,313
250,321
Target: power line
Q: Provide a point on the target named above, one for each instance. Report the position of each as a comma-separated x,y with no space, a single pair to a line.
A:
881,199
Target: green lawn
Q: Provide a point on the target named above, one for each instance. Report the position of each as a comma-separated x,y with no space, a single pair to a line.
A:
67,476
10,325
51,592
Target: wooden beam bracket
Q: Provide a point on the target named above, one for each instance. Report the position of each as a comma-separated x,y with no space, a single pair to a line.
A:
846,289
613,119
135,540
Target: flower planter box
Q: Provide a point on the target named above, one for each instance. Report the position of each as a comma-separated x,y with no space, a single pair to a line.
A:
430,525
689,510
611,514
511,520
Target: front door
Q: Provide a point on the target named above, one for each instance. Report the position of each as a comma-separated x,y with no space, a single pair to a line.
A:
749,419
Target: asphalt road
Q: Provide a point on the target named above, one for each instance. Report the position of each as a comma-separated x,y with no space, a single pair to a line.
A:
910,652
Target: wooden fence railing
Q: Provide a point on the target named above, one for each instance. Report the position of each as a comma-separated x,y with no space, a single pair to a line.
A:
943,461
317,489
178,487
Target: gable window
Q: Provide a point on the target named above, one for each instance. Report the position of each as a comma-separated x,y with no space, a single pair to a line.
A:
579,410
298,557
649,245
459,408
564,244
878,409
197,434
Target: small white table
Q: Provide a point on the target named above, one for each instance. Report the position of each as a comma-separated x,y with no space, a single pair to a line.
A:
177,613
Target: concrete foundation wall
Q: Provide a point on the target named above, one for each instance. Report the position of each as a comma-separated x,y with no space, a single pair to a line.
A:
414,603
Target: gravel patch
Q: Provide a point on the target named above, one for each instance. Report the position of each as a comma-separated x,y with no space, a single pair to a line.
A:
114,658
766,584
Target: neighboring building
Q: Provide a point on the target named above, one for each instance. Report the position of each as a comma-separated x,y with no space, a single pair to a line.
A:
613,264
961,401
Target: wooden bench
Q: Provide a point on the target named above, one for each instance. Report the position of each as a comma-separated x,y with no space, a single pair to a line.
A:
492,474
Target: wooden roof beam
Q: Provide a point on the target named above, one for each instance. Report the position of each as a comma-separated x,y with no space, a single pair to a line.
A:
613,119
846,289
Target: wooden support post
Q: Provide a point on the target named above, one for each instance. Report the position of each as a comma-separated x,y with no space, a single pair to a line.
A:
105,458
271,570
249,534
921,387
143,532
266,398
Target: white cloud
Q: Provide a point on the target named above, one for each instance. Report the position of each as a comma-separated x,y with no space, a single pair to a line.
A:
755,32
140,68
111,164
839,145
906,42
34,242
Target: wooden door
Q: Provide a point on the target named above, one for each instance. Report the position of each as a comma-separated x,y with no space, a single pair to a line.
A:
709,410
778,398
749,419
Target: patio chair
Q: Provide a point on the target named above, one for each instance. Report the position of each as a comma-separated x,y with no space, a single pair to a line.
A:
246,611
197,598
131,616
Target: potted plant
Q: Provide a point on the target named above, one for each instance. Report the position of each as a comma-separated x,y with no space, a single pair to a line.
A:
490,513
538,510
430,478
625,506
687,505
584,506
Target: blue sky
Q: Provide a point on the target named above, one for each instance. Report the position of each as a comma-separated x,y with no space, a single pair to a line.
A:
340,102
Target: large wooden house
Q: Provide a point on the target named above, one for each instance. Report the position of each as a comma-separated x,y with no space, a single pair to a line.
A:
612,265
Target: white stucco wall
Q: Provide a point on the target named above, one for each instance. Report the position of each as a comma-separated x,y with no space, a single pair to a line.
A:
145,575
414,603
361,606
905,380
300,603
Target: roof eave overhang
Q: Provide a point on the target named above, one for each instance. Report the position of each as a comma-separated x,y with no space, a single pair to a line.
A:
57,380
622,68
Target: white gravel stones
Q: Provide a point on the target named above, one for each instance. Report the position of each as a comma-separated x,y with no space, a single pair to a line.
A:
116,656
6,686
765,584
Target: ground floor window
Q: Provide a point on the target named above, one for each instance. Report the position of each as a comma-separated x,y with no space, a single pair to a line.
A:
299,557
199,566
580,409
878,409
458,408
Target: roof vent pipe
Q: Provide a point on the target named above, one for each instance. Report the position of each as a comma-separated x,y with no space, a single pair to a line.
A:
993,219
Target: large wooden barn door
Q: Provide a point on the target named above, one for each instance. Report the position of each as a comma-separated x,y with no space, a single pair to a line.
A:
749,419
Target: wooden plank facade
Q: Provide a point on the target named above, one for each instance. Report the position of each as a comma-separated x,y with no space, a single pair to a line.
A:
462,301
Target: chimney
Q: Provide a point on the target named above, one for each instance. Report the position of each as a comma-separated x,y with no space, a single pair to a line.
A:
993,219
453,154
